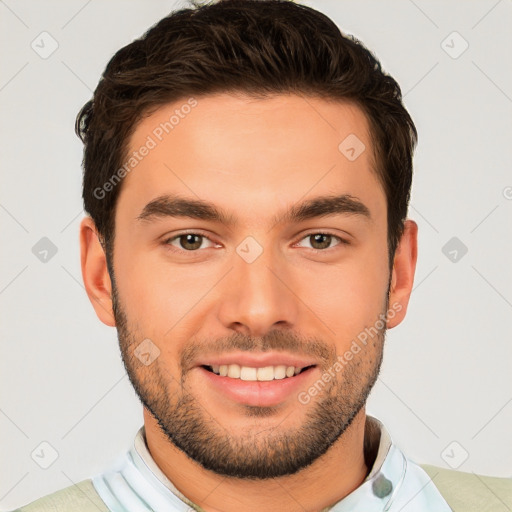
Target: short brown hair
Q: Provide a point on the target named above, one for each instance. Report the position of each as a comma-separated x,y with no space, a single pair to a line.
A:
257,47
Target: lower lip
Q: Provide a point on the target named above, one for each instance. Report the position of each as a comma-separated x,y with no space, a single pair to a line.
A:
259,393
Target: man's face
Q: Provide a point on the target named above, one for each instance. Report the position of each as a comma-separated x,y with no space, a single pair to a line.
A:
262,290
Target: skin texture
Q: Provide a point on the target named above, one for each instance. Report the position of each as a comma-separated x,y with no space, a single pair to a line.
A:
253,159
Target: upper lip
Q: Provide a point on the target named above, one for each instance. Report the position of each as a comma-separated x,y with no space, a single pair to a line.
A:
258,360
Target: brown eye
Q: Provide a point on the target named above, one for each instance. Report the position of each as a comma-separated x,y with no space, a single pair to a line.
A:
320,240
190,241
183,243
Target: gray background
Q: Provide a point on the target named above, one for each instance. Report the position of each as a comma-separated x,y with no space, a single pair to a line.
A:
444,391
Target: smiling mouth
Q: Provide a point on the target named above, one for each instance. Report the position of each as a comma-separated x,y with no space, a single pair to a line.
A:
248,373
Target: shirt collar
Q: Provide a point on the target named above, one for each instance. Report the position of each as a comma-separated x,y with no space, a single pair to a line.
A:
136,483
377,443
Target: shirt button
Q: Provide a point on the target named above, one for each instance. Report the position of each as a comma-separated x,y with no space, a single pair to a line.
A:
381,486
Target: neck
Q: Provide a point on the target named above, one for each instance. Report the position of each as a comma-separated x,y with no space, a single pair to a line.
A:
341,470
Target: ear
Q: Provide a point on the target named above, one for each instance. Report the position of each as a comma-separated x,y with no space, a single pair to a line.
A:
95,272
402,278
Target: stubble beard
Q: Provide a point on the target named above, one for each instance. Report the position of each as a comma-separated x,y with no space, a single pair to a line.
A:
255,453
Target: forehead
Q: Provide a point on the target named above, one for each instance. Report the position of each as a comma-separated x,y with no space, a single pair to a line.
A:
252,153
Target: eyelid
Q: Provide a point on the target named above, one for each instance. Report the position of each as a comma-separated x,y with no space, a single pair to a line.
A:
341,240
167,239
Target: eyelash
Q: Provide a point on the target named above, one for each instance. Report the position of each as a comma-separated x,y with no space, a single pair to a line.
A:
341,241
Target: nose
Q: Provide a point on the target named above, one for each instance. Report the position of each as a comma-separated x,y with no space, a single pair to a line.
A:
258,297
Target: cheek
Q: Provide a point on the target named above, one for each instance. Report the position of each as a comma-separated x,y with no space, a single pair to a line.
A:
157,295
349,297
165,300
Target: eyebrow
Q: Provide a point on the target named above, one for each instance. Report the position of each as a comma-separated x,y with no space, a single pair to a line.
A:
178,206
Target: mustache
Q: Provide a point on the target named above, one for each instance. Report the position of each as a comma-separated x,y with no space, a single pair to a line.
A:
273,341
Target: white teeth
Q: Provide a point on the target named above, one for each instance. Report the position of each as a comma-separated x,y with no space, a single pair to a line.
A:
280,372
234,371
249,373
266,373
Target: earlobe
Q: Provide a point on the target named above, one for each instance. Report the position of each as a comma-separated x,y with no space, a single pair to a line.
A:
402,279
95,272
